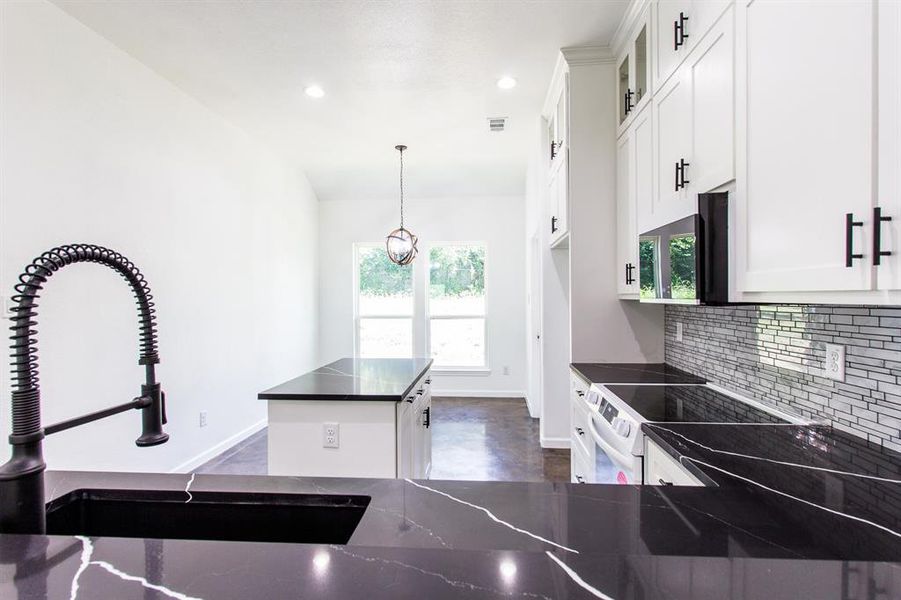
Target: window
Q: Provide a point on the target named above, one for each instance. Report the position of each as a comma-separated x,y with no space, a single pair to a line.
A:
456,306
384,305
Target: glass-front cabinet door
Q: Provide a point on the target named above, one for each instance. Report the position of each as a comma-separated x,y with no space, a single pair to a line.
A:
640,52
633,75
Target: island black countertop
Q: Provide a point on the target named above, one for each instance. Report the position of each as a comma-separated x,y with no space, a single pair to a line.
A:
648,373
441,539
378,379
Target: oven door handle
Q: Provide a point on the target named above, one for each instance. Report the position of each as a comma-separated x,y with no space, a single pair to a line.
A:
609,450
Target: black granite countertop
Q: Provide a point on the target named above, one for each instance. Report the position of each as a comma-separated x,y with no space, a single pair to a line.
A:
842,489
437,539
378,379
604,373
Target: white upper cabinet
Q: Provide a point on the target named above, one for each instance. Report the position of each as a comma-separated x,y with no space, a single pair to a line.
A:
557,128
678,26
634,188
694,127
805,146
672,129
887,234
626,233
711,70
633,75
558,196
557,122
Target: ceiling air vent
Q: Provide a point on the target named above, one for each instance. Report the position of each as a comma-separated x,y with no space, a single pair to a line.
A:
497,123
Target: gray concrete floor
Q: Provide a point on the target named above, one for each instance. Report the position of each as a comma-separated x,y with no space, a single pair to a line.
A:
475,439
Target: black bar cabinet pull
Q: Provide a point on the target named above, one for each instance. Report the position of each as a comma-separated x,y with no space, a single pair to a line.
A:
553,150
878,220
684,164
427,417
678,176
629,279
679,34
664,482
850,224
553,224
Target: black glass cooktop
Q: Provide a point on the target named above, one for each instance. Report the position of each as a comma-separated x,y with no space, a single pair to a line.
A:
689,404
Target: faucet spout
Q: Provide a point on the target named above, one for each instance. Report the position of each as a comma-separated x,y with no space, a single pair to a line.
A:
22,507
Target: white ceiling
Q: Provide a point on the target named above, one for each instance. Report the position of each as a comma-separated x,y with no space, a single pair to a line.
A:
422,73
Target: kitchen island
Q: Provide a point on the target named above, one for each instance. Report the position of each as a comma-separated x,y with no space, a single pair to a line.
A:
355,417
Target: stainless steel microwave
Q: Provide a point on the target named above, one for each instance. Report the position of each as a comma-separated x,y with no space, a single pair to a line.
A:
687,261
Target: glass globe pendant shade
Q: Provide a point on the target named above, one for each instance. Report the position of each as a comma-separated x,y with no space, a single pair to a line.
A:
401,246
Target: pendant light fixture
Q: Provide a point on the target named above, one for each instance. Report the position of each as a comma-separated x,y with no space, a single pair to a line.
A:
401,243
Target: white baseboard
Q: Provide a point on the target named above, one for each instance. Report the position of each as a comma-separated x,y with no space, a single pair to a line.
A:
206,455
555,442
478,393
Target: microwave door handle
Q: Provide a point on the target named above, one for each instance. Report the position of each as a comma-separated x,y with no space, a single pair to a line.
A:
612,453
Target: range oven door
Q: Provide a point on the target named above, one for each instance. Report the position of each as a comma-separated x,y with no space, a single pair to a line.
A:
613,462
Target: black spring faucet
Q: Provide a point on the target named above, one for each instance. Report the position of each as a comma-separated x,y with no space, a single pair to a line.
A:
22,507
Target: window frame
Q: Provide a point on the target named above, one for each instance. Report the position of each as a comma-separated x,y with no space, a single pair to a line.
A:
356,300
485,367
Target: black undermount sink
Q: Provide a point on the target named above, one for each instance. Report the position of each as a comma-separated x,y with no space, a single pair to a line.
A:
226,516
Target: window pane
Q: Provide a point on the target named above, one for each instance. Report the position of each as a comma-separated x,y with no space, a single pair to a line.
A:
457,280
385,288
386,338
458,342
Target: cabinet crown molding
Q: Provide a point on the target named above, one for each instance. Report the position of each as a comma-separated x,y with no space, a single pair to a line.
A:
587,55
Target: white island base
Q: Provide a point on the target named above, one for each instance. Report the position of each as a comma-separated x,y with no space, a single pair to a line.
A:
375,438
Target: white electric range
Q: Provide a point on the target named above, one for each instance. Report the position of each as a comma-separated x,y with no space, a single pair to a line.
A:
607,423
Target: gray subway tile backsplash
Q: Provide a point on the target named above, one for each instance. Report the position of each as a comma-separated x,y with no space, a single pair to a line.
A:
776,354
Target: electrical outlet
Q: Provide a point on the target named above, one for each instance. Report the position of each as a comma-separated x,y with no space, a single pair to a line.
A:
203,418
329,435
835,362
506,370
678,332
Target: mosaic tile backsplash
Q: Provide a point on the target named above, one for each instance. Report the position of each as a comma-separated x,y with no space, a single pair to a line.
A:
776,354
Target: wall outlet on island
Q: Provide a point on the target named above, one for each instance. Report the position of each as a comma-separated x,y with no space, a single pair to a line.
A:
835,362
202,421
506,370
678,332
329,435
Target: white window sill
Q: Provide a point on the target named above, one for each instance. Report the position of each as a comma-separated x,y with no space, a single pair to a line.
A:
464,371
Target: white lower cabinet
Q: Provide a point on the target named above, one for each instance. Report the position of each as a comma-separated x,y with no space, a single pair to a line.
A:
414,433
805,145
581,447
662,469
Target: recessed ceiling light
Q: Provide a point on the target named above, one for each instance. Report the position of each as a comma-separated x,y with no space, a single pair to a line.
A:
506,83
314,91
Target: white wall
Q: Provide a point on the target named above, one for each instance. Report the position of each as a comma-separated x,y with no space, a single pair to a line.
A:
499,222
97,148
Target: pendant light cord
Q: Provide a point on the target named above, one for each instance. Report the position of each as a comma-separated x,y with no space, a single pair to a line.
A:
401,188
